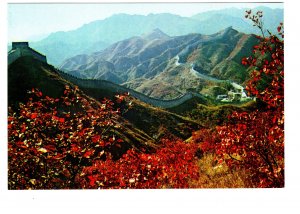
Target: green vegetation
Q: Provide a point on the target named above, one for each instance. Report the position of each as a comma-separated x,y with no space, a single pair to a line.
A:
27,73
212,115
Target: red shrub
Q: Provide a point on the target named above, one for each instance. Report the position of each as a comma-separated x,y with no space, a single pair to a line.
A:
255,141
67,143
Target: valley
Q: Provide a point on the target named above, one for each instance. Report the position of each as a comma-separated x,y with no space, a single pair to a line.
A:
166,67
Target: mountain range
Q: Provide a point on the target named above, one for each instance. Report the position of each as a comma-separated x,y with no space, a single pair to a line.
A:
166,67
99,34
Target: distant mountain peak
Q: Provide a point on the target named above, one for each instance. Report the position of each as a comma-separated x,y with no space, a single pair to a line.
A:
155,34
227,31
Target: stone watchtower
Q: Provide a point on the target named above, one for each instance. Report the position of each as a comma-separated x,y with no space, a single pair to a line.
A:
16,45
20,49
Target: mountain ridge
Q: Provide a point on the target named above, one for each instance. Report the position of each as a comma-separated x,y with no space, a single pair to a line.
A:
149,66
99,34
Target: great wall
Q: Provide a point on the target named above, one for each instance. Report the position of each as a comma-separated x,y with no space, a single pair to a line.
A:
103,84
20,49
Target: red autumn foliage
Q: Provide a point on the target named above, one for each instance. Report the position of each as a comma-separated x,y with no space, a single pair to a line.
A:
172,166
255,141
47,136
66,143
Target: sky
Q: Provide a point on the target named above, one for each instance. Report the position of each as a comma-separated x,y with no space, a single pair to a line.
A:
35,21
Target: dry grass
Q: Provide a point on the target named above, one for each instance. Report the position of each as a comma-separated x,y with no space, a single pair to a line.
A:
213,175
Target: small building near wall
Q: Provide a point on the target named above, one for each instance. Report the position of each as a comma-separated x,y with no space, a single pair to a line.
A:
221,96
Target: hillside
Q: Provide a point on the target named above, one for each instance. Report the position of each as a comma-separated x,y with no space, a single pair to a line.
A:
166,67
27,73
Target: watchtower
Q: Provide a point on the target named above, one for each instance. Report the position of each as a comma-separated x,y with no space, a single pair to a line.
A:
20,49
16,45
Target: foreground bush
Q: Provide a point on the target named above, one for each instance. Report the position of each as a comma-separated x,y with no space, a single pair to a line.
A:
68,143
254,142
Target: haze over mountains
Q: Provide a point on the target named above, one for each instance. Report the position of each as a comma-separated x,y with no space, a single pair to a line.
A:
98,35
160,55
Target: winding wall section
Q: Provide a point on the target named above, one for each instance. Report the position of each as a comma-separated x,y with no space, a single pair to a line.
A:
103,84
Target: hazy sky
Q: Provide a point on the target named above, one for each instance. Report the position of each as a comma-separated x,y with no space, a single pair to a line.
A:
26,21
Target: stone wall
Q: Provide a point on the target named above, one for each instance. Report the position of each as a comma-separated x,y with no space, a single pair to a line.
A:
37,55
103,84
16,45
15,53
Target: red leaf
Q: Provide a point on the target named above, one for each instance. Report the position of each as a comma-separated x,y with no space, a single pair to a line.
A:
120,141
62,120
50,148
96,138
33,115
87,154
75,148
58,156
279,28
92,180
23,129
101,143
55,118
